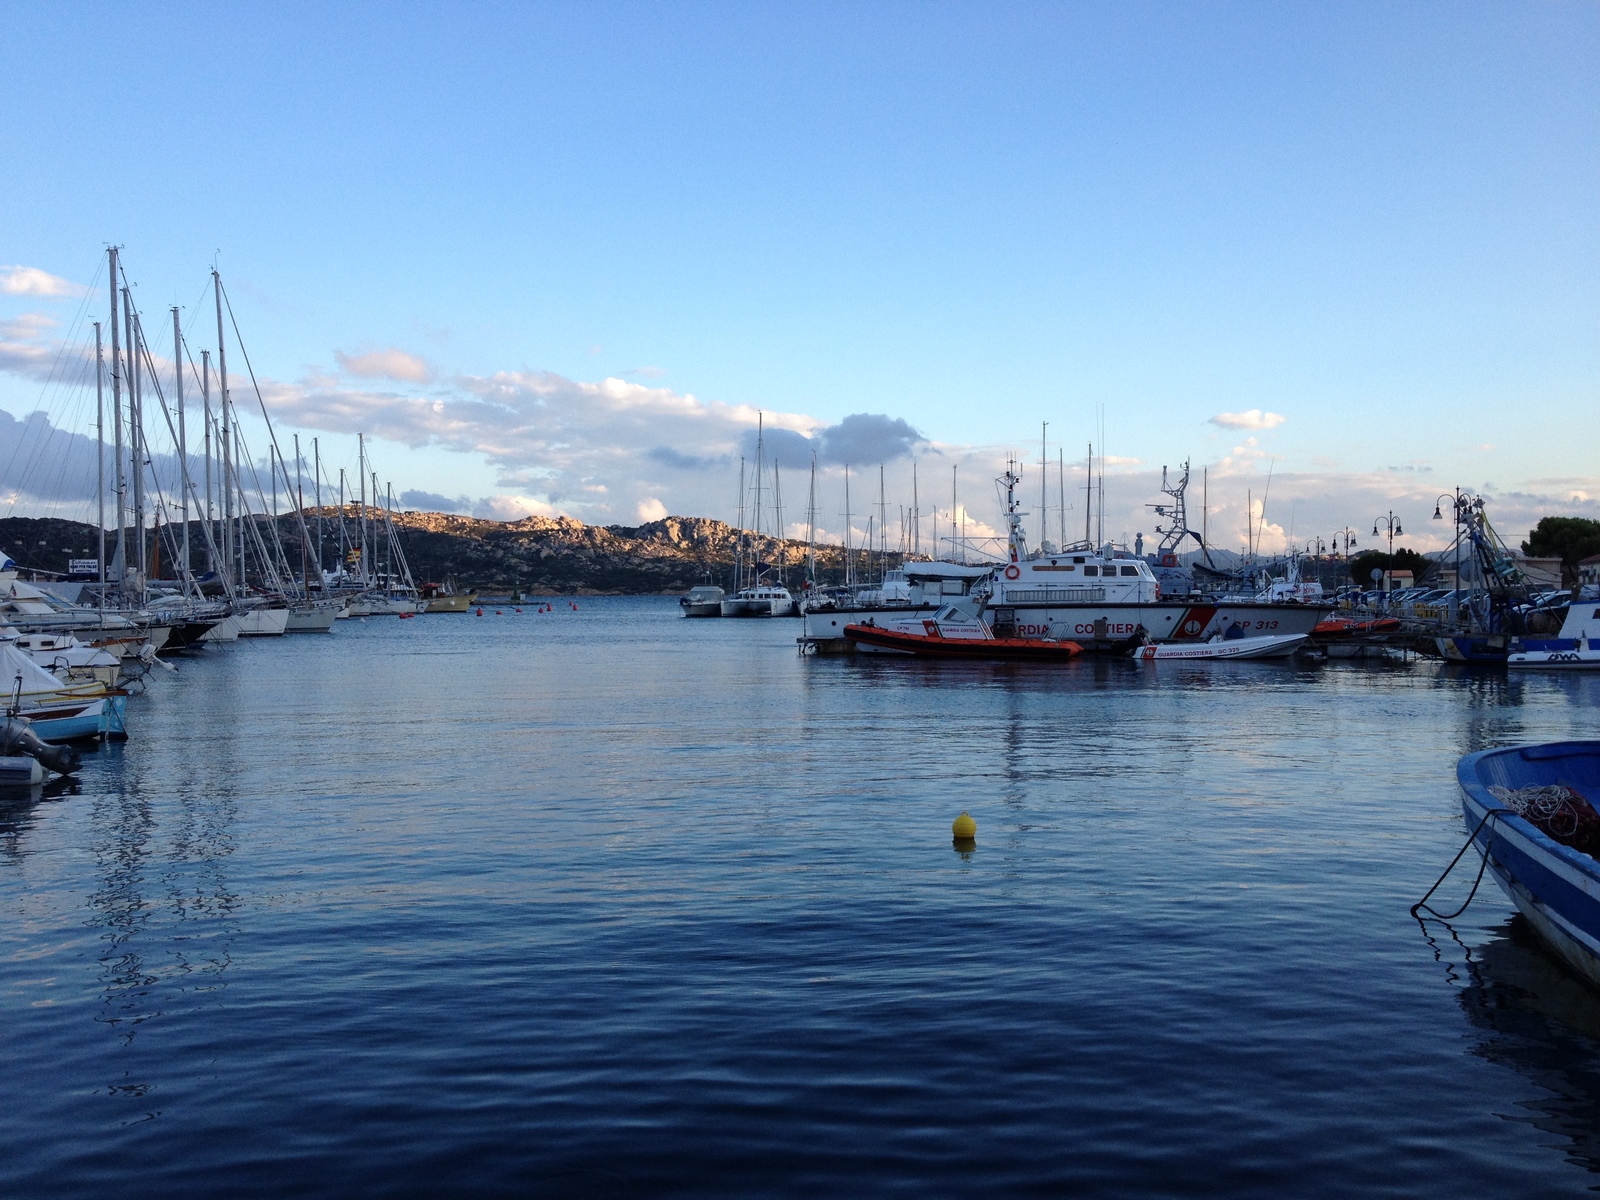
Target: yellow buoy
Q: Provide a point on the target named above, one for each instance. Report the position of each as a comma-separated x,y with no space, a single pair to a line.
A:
964,827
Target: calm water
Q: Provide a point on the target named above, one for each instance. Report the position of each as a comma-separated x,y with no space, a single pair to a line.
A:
610,903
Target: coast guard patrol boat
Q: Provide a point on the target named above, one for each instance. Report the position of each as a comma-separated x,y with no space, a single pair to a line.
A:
1103,598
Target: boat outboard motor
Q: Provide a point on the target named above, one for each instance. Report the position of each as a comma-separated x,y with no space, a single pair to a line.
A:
18,737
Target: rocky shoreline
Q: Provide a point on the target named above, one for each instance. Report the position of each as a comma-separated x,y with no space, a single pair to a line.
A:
536,555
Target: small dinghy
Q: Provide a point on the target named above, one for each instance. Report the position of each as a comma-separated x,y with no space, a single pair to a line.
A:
1532,815
949,635
1277,645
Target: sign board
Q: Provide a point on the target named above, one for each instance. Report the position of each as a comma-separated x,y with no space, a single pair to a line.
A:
83,566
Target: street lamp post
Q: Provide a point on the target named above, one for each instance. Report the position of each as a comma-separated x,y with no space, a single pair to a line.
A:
1457,503
1348,535
1391,523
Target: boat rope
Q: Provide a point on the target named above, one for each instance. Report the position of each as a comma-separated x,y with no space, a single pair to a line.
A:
1422,906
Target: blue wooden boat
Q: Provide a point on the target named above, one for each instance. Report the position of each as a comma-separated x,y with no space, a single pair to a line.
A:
1555,886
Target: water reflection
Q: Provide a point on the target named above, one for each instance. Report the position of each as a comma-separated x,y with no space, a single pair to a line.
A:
1538,1019
18,810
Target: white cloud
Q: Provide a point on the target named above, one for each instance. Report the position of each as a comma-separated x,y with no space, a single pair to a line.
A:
1251,419
511,508
31,281
386,364
651,509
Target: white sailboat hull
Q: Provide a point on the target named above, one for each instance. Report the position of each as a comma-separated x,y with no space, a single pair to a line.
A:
262,622
317,618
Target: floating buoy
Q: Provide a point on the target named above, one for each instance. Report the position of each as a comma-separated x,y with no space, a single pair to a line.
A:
519,610
964,828
480,612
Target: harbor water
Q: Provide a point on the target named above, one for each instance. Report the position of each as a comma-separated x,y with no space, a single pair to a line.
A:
606,902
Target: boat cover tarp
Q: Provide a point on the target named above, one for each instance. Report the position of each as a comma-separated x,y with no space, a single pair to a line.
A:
14,663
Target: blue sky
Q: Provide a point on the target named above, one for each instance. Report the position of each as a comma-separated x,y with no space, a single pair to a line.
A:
1379,222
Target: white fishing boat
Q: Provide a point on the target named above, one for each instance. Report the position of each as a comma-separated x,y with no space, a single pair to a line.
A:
1576,646
1221,646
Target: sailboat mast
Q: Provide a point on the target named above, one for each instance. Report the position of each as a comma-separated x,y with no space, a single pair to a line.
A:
916,515
316,486
1100,512
361,512
1061,478
739,539
849,561
100,452
183,436
344,536
811,525
300,504
777,510
135,430
116,422
1088,495
1044,482
756,523
205,399
226,483
883,529
955,507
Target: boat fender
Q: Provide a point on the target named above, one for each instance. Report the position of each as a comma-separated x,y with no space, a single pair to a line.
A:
1013,572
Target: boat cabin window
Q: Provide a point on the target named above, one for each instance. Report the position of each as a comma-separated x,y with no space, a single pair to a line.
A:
1077,560
1130,570
1091,570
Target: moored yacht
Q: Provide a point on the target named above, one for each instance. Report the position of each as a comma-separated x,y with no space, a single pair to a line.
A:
703,601
762,600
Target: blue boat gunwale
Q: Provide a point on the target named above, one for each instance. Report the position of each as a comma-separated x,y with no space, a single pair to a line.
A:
1468,776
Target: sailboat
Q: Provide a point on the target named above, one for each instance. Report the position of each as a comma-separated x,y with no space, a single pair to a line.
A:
759,596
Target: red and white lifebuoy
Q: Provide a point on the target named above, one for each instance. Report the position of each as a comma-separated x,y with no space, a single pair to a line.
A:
1013,572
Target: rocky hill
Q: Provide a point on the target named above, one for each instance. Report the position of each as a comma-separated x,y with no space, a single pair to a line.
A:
548,555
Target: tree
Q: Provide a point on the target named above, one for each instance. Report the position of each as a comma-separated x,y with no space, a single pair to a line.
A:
1571,539
1362,565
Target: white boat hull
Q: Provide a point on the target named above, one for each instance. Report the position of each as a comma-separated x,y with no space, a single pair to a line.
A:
262,622
225,630
1279,646
318,618
1161,620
